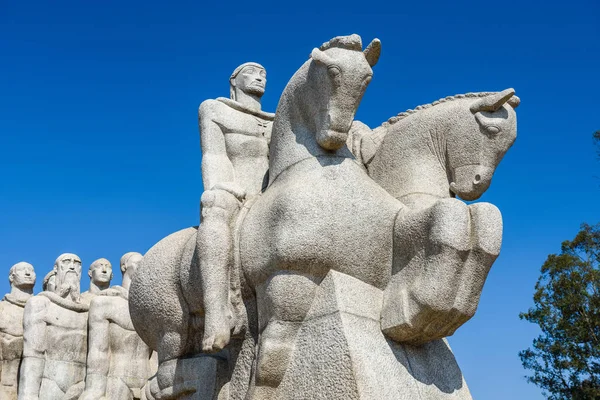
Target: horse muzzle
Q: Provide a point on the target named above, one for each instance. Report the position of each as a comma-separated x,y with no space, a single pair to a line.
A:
471,181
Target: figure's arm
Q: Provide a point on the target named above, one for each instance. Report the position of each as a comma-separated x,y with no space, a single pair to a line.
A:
98,351
217,169
34,346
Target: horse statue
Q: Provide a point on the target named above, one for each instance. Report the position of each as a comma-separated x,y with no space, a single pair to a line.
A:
327,211
437,151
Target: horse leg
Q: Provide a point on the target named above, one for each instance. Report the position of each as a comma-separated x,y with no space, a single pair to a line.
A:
283,302
431,247
486,237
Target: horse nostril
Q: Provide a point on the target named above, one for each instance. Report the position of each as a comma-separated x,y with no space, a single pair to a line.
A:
477,179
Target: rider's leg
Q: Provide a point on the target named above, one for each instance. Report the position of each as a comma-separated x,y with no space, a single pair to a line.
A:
214,250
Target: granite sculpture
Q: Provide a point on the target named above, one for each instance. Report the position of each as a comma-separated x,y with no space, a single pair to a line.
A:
49,282
55,338
100,273
119,363
351,266
235,135
22,280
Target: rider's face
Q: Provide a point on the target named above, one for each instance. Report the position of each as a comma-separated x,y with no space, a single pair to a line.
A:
252,80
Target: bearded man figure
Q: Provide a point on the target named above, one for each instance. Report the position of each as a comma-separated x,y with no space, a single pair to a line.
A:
119,363
55,338
22,279
235,135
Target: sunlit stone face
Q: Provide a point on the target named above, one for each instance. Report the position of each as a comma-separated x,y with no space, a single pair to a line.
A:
252,80
23,276
101,271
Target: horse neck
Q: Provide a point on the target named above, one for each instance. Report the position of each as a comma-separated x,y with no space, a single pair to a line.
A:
293,138
411,161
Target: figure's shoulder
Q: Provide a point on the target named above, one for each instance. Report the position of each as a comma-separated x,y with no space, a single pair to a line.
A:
211,108
36,304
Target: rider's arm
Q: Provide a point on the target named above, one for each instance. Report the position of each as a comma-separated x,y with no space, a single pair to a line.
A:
216,166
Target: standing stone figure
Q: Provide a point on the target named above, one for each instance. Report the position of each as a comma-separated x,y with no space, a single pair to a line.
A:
49,282
100,274
22,280
55,338
235,136
119,362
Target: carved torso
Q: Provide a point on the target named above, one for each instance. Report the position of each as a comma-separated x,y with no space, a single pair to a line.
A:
247,137
11,345
129,355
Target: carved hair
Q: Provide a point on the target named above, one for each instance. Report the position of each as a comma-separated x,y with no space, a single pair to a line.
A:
47,279
236,72
97,263
352,42
514,102
125,259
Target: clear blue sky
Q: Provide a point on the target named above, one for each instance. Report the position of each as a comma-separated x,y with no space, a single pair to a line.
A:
99,151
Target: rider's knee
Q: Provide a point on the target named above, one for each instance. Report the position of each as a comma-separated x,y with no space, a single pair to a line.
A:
219,203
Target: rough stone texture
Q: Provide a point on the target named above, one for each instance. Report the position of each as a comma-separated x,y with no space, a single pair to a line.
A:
22,280
119,363
353,360
201,296
100,273
55,338
353,263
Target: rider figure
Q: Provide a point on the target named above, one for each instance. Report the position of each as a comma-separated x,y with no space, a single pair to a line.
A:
235,135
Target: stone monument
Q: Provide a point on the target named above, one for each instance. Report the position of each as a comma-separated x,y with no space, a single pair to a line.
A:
343,275
49,282
235,136
100,273
55,338
22,280
118,363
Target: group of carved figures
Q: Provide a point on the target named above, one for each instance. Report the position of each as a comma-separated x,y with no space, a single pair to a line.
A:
331,260
63,344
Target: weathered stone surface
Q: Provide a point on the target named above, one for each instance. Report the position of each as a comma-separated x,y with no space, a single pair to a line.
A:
203,295
341,279
55,338
119,363
341,353
100,273
22,280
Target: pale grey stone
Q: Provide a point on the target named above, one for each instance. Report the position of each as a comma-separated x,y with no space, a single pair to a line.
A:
55,338
343,276
22,280
203,297
100,273
119,363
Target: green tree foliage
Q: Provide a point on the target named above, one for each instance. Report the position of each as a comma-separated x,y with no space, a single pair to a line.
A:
565,358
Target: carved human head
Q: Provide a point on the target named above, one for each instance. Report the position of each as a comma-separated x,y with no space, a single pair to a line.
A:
130,262
49,283
339,73
100,272
22,276
68,275
250,78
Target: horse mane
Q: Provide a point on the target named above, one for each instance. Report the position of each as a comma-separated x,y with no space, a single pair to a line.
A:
447,99
352,42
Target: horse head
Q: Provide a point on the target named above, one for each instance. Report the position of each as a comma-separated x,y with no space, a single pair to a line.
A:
477,142
337,77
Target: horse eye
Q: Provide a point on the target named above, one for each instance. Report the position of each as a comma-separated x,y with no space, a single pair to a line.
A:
336,74
494,130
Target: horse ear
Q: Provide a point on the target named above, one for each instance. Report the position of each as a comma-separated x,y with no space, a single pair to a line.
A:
514,101
320,57
492,102
372,52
